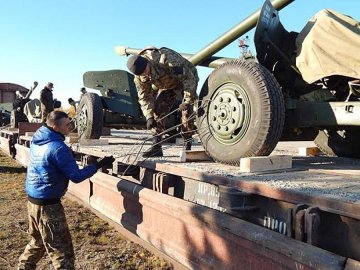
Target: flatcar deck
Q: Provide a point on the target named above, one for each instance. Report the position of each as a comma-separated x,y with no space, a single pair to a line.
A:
200,213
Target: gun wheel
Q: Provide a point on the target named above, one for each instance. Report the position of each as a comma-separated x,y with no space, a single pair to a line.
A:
89,118
241,112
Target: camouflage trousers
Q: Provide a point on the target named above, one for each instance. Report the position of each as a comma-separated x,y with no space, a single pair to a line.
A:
49,233
164,102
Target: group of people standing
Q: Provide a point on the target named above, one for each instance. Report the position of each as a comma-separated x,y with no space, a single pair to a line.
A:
49,104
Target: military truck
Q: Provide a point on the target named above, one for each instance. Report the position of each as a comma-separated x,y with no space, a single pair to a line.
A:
303,86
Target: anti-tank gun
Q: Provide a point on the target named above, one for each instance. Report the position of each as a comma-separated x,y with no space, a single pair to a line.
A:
245,107
13,103
25,109
117,107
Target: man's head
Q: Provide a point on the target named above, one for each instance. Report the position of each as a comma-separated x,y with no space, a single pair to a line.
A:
71,101
59,121
56,103
50,85
83,90
137,64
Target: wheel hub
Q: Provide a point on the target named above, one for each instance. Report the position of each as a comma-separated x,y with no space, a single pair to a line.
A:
229,113
82,120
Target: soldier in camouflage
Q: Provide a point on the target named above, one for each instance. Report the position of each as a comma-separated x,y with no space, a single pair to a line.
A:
174,77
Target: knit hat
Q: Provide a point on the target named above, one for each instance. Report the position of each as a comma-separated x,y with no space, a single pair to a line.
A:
50,85
137,64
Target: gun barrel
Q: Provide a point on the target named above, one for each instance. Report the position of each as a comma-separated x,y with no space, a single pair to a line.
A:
205,56
32,88
234,33
213,61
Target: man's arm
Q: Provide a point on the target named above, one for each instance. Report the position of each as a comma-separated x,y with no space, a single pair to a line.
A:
190,85
145,95
67,165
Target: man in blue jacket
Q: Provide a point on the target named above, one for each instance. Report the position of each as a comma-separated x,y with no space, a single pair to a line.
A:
51,167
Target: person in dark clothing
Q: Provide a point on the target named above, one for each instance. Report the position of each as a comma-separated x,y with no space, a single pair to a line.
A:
51,167
47,101
82,92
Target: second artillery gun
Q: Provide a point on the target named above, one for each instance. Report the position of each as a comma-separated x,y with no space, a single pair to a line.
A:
246,107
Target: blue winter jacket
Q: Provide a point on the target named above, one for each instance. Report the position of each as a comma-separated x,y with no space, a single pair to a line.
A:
52,165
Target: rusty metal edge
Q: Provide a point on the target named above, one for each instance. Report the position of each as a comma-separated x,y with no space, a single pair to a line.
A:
327,204
331,205
290,248
128,235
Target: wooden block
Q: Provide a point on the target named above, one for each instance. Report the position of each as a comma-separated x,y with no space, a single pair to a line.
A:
308,151
5,145
22,154
179,141
10,131
29,133
194,155
25,138
71,139
261,164
85,142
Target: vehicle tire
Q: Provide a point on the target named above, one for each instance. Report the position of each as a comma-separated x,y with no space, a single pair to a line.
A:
89,117
341,143
14,119
241,112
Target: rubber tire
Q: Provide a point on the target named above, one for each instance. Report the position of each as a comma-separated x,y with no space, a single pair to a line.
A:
267,111
332,143
91,107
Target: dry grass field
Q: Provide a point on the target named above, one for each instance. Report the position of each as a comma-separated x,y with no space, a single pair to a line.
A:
97,245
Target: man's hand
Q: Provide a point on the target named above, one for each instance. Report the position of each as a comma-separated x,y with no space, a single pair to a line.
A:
150,123
105,161
184,106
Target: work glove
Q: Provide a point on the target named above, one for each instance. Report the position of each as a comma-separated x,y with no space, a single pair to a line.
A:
105,161
184,106
150,123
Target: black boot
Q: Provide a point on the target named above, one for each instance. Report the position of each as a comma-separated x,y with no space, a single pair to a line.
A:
155,150
187,144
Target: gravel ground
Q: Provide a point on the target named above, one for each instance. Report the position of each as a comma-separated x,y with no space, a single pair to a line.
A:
97,245
331,177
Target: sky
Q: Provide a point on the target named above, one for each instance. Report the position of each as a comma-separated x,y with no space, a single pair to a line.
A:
59,41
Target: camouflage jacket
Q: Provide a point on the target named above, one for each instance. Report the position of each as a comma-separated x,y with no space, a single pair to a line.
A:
169,71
